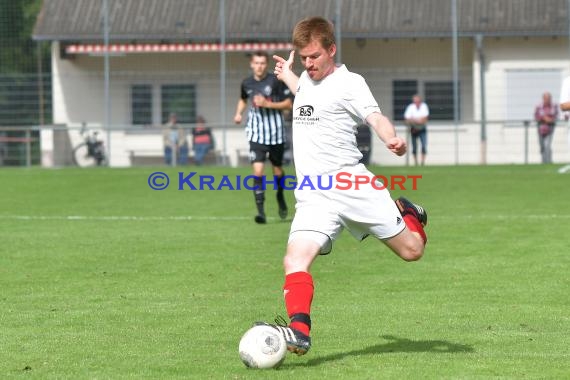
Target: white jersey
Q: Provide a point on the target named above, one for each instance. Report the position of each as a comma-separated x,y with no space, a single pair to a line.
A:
325,116
415,112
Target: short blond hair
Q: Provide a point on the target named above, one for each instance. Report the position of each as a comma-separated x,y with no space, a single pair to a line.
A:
313,29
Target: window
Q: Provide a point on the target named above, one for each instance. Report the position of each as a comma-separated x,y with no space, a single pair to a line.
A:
439,98
402,92
175,98
179,99
141,104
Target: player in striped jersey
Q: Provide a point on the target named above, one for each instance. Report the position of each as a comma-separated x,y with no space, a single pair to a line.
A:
267,97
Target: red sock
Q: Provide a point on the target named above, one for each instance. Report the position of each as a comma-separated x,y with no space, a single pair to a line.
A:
414,225
298,293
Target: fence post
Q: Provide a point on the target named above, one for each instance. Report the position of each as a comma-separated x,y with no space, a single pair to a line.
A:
409,140
28,148
526,123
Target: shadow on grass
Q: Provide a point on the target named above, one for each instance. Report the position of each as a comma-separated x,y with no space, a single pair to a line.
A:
397,345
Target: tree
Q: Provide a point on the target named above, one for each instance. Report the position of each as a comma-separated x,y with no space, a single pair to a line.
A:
18,52
25,98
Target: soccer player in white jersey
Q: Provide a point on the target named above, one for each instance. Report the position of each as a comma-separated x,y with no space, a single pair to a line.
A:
330,102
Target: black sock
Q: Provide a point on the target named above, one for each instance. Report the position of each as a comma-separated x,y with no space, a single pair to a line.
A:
259,194
280,196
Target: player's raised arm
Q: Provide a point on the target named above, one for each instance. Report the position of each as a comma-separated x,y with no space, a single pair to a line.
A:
284,72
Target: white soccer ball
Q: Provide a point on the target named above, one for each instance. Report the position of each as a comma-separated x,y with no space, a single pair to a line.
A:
262,347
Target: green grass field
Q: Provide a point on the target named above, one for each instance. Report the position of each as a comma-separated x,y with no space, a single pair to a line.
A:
102,277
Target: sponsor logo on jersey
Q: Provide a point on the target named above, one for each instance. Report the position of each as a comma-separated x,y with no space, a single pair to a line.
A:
305,110
305,115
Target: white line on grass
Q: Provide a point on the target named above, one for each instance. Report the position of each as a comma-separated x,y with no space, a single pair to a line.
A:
121,218
113,218
504,217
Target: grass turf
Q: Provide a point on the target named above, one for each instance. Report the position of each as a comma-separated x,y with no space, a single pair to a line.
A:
103,277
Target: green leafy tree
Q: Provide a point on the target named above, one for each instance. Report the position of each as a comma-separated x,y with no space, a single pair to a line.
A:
21,85
18,52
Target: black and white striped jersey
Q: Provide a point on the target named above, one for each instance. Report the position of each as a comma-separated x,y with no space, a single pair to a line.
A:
265,125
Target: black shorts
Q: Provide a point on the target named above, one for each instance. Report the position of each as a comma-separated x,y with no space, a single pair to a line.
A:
260,152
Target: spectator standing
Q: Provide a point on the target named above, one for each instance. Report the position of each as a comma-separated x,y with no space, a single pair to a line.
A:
175,142
546,114
416,116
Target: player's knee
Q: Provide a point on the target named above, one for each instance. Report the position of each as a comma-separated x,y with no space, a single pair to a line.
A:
412,252
289,263
302,249
296,263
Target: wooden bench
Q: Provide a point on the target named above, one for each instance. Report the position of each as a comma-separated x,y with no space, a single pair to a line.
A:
242,157
155,157
25,140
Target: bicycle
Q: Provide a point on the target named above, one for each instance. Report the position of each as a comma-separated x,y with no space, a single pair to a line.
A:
90,152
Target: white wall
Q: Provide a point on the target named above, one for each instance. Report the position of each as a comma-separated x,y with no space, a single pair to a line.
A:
505,145
510,54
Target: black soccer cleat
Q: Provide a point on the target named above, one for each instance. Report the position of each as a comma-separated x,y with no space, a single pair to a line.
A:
283,212
297,342
408,208
260,219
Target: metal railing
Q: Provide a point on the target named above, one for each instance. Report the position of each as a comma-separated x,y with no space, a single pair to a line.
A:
19,146
507,142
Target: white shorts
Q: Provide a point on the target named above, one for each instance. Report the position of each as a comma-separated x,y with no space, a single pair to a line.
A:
364,211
